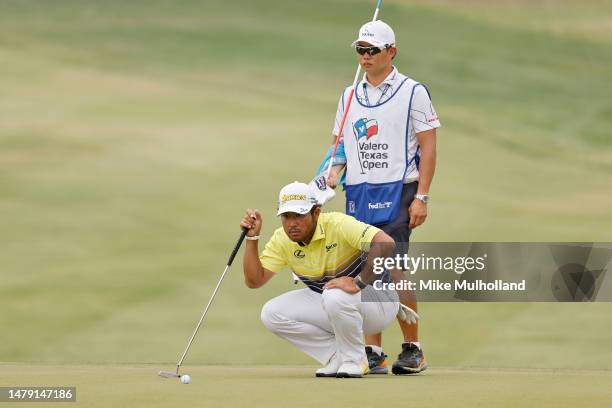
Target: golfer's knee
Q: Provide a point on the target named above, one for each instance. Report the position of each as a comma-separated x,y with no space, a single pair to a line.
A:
337,300
271,318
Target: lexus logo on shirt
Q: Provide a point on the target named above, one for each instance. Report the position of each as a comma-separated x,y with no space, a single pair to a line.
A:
299,253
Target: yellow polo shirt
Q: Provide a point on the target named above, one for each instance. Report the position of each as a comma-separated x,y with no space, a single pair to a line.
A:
335,250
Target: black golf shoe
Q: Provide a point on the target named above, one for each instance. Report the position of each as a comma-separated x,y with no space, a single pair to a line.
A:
409,361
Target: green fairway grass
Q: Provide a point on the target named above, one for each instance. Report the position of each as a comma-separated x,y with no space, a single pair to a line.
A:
233,386
133,135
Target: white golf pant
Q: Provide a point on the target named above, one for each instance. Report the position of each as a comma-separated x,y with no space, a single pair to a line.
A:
335,321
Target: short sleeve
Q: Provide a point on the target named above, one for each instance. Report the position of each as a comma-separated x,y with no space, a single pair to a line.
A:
272,257
423,114
356,233
339,113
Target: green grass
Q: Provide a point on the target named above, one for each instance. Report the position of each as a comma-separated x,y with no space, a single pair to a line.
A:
134,134
138,385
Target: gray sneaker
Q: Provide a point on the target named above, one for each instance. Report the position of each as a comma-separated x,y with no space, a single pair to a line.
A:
376,362
409,361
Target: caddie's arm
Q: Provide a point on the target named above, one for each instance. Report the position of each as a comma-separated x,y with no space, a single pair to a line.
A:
382,246
333,177
427,167
255,275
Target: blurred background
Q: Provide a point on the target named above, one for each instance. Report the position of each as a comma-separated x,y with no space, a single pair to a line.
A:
134,134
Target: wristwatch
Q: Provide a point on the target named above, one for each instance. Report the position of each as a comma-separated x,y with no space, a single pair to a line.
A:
423,197
360,284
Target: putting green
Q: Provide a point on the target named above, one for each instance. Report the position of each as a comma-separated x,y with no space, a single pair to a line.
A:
280,386
134,134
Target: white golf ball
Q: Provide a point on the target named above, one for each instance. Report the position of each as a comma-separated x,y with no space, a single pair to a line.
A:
185,378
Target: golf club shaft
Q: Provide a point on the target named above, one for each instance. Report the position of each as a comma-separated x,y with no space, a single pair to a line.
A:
227,267
348,103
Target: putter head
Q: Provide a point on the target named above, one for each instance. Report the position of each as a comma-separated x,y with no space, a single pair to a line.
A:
168,374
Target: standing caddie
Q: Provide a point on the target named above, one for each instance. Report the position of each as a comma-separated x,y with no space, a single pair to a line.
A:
389,142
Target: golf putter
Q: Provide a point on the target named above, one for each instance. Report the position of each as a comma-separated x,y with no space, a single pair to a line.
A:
170,374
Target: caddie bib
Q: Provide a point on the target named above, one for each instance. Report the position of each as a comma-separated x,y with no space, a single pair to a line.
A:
376,145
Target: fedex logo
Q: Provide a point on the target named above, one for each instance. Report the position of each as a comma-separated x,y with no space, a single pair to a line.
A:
380,205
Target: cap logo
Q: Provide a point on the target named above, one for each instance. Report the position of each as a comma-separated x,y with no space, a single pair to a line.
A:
292,197
366,33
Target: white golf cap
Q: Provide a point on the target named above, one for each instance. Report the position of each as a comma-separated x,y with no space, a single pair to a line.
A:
296,197
378,33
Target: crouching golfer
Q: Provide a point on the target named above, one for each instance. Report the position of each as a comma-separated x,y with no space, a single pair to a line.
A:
328,319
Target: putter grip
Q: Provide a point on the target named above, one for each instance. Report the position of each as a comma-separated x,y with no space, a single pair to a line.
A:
237,247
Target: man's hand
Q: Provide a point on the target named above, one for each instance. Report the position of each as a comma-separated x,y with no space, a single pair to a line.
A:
255,275
252,221
332,180
346,283
334,175
417,213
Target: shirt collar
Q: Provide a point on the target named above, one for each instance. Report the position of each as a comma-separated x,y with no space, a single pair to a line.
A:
390,79
319,232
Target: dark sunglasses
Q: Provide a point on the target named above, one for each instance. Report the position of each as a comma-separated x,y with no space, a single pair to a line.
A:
369,50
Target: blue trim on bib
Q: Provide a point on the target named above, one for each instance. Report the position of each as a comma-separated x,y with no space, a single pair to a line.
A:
374,184
416,158
380,104
380,203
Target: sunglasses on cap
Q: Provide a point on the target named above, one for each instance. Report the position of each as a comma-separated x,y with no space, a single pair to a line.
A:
368,50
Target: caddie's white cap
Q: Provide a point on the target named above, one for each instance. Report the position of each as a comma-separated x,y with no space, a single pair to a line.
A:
378,33
296,197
